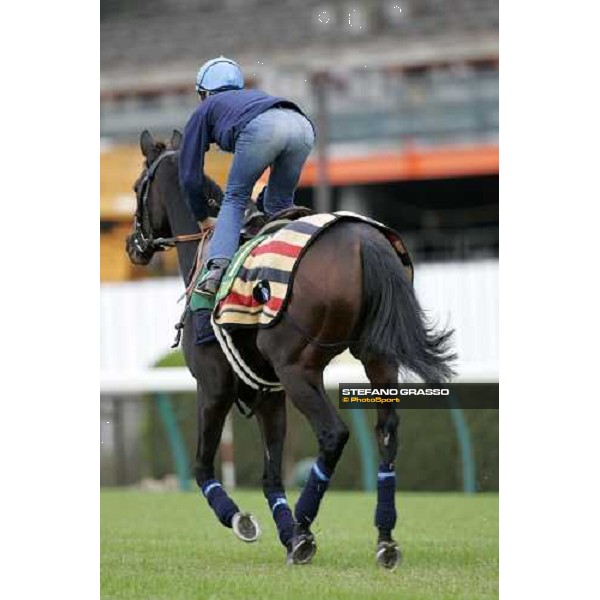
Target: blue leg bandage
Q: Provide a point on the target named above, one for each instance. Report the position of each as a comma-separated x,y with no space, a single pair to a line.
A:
282,515
385,513
223,506
307,506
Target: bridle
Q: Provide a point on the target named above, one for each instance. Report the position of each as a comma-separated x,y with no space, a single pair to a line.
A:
142,237
143,240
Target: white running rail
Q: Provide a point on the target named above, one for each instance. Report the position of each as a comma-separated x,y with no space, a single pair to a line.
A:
137,320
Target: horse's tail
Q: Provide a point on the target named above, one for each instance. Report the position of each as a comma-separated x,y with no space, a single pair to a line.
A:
394,327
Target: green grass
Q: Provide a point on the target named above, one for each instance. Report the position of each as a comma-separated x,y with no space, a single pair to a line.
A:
170,546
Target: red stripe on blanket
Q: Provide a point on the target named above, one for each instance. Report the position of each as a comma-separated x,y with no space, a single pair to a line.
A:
277,247
239,299
234,299
274,303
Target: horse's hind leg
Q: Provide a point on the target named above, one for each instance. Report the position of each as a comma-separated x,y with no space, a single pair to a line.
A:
386,431
304,387
271,416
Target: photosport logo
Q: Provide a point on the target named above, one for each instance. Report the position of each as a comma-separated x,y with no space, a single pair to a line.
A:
418,395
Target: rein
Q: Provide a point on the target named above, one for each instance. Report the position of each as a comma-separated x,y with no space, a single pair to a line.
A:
180,239
203,236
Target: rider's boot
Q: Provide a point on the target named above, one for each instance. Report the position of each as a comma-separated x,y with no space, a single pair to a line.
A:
210,283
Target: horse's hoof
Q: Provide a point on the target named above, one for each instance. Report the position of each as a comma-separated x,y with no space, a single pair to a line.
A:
304,547
388,555
245,526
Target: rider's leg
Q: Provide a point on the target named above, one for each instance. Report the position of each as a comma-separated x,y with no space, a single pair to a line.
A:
256,148
280,138
287,167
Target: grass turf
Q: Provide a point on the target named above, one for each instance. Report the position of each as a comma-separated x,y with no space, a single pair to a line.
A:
170,546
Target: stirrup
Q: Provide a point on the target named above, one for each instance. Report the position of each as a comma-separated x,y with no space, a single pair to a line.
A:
208,287
210,283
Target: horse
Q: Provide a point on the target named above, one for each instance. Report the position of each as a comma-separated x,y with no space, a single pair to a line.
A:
350,291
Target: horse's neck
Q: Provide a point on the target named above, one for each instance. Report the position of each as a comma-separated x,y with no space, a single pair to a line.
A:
182,223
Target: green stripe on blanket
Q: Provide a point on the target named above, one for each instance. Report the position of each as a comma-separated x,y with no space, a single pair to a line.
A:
199,301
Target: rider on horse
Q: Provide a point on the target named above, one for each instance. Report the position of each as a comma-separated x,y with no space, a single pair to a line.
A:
262,131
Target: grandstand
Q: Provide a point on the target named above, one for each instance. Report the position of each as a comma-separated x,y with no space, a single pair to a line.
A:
154,33
411,103
439,55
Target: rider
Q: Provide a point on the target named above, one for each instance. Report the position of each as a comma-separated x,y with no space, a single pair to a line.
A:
262,131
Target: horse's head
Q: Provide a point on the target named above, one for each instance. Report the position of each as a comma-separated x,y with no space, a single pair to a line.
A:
157,180
157,185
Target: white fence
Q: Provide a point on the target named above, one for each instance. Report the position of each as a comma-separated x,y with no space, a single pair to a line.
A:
137,320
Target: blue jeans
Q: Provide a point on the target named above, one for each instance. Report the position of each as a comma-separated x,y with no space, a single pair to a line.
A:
280,138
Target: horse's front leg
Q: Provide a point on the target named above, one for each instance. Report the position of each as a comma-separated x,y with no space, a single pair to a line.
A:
271,416
386,431
214,402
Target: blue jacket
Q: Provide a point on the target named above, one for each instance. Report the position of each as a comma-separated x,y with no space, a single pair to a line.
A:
219,118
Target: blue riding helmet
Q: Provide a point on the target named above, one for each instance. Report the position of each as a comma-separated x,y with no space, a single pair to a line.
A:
219,74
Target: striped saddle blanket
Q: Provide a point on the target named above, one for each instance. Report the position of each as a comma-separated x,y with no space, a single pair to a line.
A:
257,284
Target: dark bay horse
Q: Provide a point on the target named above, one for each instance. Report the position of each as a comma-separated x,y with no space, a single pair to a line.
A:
350,291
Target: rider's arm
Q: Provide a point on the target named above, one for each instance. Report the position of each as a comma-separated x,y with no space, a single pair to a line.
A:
191,162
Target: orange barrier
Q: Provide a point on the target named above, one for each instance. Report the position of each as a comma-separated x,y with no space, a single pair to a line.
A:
121,165
451,161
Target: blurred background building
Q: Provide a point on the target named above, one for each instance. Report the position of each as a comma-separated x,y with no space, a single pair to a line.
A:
404,94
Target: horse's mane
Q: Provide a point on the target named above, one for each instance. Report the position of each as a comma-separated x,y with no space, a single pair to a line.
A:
210,188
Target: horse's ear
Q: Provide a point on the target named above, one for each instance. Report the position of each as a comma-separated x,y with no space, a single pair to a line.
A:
175,139
146,143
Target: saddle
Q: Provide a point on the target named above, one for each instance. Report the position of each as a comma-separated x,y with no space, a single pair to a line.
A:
257,223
